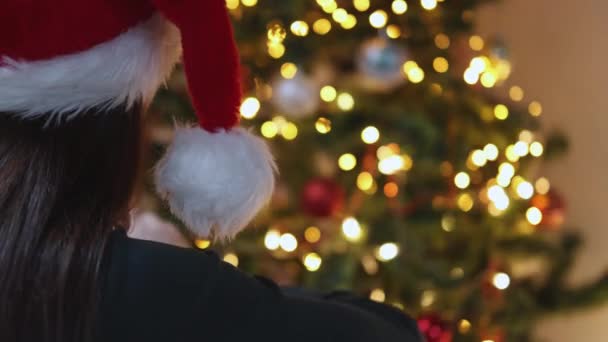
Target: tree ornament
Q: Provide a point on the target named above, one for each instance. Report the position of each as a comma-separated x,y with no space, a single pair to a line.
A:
379,62
434,329
322,197
297,97
498,49
553,207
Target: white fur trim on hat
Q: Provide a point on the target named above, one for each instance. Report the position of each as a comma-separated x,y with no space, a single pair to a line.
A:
124,70
216,182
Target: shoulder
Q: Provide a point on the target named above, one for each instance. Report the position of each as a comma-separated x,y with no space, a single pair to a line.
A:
155,292
158,290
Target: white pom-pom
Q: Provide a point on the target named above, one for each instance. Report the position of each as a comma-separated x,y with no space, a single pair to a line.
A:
216,182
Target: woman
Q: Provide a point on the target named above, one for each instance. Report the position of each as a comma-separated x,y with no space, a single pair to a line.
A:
75,78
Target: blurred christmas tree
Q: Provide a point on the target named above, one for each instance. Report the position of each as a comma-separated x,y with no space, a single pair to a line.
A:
408,165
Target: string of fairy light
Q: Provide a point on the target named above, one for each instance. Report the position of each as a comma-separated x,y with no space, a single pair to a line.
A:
484,70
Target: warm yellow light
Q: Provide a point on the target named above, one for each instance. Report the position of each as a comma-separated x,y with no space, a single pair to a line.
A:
501,281
517,180
393,31
521,148
350,22
501,112
325,2
471,76
361,5
492,210
436,89
387,252
365,181
329,6
299,28
312,234
499,197
347,162
542,186
391,190
370,265
479,64
321,26
442,41
440,64
535,108
428,4
352,229
488,79
534,216
503,180
232,4
276,34
249,3
448,222
516,93
323,125
202,244
525,190
250,108
409,65
526,136
399,6
476,43
415,75
269,129
280,121
289,131
370,135
232,259
328,93
491,152
465,202
289,70
386,151
339,15
391,165
276,51
464,326
288,242
312,262
462,180
479,158
272,240
428,298
346,101
506,169
408,162
378,19
377,295
536,149
511,155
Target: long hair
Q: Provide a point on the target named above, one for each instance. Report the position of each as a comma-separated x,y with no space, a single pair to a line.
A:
62,190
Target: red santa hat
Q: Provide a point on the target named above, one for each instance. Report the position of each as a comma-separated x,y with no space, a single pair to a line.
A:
60,58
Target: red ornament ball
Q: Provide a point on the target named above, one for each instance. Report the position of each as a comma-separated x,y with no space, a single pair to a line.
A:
434,329
553,207
322,197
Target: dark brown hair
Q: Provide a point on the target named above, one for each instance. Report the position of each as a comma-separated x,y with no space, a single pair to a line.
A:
62,190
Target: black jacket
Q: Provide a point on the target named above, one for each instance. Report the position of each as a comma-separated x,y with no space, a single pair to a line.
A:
155,292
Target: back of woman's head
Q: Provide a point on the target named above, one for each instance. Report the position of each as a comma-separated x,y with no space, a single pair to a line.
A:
62,190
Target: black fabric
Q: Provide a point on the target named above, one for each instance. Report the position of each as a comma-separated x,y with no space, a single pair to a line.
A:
155,292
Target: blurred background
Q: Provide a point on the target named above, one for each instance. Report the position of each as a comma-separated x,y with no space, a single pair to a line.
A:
445,157
557,49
